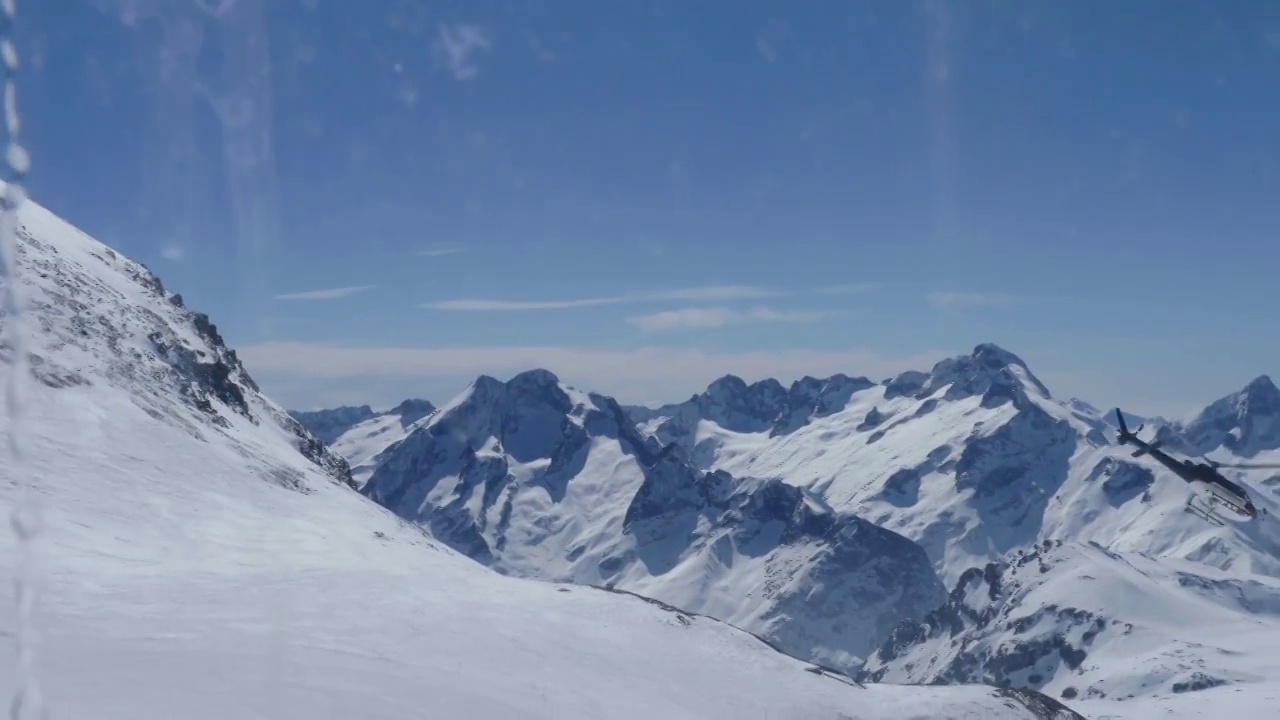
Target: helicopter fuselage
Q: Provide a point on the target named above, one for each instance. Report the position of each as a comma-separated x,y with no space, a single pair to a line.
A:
1204,478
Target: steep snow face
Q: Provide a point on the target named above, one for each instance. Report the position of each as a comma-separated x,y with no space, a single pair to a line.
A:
100,319
361,434
1096,628
772,559
1243,424
538,479
175,582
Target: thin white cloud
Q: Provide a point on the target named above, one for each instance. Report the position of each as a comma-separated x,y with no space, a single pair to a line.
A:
481,305
440,251
173,253
304,374
850,288
327,294
458,45
967,299
684,318
715,317
712,293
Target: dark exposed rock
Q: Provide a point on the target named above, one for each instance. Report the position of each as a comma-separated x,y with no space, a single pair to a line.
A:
1198,681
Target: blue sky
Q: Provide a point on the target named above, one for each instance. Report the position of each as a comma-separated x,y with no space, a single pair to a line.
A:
382,199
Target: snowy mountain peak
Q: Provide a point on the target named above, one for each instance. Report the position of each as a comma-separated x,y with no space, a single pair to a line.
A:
990,371
1246,423
1262,395
532,388
996,357
415,408
361,434
534,379
330,424
735,404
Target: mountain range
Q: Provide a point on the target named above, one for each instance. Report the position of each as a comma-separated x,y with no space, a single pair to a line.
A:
189,549
952,525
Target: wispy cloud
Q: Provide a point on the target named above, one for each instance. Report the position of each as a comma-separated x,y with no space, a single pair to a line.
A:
327,294
715,317
174,253
440,251
967,299
850,288
458,45
713,293
482,305
306,375
703,294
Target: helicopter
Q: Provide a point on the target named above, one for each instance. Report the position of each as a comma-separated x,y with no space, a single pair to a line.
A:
1208,485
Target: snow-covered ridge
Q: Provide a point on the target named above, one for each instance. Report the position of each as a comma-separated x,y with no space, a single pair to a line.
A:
974,459
1243,424
538,479
175,582
1090,625
96,317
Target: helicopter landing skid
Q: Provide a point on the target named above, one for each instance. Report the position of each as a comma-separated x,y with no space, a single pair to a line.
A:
1204,512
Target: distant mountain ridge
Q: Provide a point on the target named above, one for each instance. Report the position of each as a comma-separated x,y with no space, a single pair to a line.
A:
360,434
972,461
538,479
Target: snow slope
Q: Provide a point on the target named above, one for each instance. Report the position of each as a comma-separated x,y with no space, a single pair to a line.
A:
540,480
202,558
360,435
976,462
1118,635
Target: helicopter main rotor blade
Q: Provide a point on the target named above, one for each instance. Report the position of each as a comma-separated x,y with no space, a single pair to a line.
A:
1249,465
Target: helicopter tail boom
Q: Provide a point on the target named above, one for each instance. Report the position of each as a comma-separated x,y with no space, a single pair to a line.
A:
1146,448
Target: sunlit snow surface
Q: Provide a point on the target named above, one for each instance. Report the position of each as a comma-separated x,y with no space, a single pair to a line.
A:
1195,604
853,467
200,568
